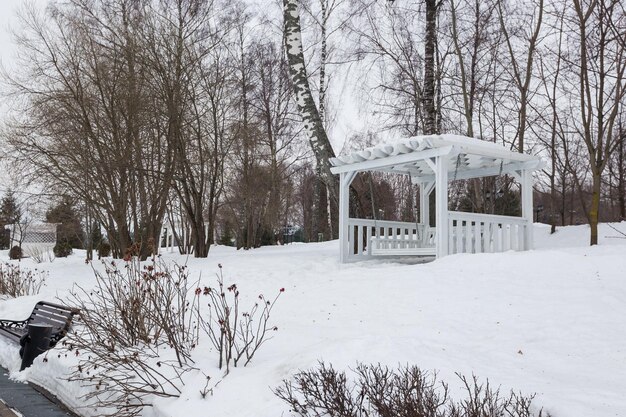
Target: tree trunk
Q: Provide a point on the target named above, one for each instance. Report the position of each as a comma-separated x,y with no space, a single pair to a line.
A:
313,125
594,209
430,40
621,175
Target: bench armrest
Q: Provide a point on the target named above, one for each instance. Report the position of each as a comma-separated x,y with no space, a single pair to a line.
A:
13,323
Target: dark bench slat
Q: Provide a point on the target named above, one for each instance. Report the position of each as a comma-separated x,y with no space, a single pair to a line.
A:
55,324
50,316
44,310
54,307
46,304
14,333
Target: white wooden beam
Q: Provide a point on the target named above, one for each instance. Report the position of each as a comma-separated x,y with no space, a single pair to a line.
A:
527,206
345,179
487,149
490,171
431,163
390,161
441,199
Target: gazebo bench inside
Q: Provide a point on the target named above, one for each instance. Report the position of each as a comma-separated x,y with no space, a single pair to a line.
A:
427,251
421,244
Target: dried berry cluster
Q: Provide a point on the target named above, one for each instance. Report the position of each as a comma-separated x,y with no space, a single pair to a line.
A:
16,282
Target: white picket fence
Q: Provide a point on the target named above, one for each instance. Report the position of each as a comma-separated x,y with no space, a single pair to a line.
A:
486,233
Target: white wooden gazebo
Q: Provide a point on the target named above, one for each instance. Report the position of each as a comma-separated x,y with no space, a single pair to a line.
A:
433,161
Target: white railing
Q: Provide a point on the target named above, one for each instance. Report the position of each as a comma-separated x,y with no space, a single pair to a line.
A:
394,238
478,233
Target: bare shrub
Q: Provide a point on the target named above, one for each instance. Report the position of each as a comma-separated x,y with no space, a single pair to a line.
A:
484,401
16,282
407,391
236,334
136,330
104,250
40,255
321,392
379,391
16,252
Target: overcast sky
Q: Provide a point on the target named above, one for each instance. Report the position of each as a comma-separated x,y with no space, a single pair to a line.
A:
8,10
8,21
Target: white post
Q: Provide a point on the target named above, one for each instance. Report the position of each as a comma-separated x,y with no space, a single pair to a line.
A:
526,184
441,201
426,188
424,207
344,212
345,179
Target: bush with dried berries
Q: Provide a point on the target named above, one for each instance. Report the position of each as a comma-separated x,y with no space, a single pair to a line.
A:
134,337
140,323
16,282
235,333
379,391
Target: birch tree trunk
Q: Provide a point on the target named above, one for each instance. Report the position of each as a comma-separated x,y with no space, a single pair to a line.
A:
430,41
312,121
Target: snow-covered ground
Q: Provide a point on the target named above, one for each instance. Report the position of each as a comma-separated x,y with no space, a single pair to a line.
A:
550,321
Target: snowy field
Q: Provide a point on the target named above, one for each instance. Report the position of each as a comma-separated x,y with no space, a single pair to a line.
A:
551,321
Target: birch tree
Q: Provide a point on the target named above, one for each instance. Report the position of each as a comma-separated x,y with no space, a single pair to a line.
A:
312,122
430,47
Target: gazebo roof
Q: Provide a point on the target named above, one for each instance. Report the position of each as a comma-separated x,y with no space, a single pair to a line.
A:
467,158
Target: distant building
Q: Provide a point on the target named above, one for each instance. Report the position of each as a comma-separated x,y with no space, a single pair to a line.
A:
34,238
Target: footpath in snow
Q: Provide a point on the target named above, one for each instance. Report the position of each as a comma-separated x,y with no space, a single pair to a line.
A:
549,321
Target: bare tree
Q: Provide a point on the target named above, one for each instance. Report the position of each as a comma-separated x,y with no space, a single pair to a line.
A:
90,125
617,170
387,41
186,54
598,63
521,62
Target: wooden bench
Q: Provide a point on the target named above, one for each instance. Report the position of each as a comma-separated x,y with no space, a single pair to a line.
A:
54,315
418,245
429,251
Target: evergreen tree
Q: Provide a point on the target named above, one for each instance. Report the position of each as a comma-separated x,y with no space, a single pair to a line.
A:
69,230
10,213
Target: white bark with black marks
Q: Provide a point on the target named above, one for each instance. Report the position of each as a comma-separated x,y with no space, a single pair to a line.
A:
312,122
